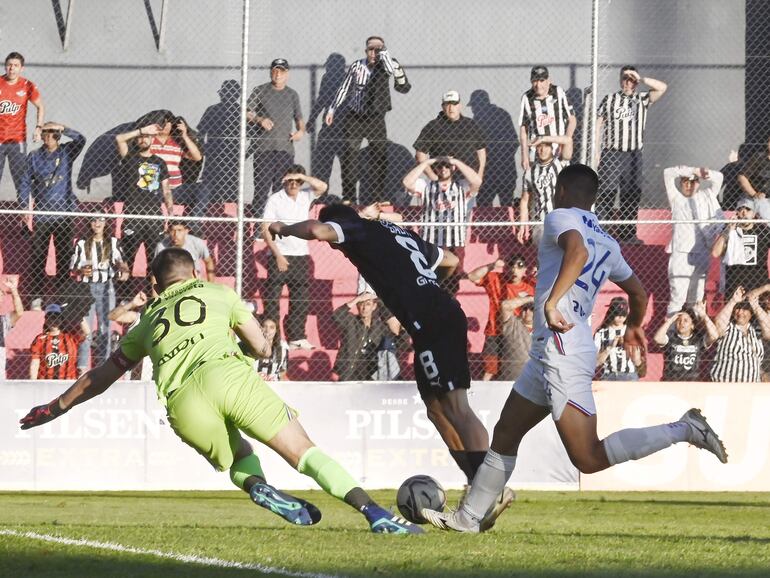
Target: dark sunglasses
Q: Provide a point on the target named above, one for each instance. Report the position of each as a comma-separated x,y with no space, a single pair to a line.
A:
293,180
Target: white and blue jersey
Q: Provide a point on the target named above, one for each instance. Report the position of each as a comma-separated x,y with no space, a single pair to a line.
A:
605,261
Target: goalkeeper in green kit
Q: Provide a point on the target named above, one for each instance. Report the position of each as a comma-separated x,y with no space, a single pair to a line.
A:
211,393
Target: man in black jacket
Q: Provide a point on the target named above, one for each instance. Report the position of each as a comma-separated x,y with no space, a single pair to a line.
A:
366,95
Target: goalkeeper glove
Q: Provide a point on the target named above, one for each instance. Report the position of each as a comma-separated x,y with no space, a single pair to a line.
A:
41,414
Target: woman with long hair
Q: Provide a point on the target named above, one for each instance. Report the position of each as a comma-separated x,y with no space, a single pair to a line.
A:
274,367
683,337
611,356
97,261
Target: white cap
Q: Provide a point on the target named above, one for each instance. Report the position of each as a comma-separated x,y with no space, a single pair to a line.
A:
450,96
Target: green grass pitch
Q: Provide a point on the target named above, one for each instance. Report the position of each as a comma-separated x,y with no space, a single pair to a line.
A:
545,534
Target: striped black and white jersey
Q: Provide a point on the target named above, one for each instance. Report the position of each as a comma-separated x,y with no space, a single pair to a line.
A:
444,206
103,270
540,183
625,117
545,116
739,356
617,361
355,83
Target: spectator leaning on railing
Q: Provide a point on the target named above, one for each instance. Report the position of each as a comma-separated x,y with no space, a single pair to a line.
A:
683,337
693,196
740,349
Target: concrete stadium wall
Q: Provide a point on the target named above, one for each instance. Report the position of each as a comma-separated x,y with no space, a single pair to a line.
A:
112,72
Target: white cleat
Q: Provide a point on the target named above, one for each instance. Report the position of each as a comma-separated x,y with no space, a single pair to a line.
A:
502,503
703,436
448,521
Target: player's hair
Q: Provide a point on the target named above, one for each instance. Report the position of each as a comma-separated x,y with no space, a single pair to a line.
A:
380,38
579,181
337,211
295,170
618,306
15,56
172,264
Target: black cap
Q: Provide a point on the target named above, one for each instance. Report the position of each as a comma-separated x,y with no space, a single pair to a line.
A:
280,63
538,73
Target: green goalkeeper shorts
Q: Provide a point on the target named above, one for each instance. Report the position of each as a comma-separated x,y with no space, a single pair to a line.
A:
219,399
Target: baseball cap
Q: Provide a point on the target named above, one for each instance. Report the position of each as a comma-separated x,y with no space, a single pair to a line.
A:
692,177
450,96
747,203
538,73
280,63
53,308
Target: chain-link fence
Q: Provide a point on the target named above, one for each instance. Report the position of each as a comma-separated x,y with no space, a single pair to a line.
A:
174,122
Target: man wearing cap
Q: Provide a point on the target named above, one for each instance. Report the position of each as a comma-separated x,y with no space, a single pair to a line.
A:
619,136
743,247
692,194
47,185
365,92
545,111
275,113
451,134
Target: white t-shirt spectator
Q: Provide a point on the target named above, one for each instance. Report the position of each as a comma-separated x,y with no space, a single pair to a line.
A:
193,245
281,207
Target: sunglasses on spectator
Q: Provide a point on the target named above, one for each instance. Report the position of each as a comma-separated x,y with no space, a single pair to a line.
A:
294,180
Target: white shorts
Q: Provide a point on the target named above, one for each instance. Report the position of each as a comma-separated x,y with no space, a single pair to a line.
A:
555,380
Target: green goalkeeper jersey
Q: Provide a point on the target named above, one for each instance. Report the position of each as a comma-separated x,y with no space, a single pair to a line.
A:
187,325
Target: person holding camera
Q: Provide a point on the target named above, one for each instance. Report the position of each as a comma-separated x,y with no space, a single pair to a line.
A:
620,126
47,186
366,94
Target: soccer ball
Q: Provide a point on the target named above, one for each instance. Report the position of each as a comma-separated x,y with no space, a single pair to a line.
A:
420,492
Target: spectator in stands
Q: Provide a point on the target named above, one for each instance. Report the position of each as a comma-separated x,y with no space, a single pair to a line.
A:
540,184
612,357
17,92
274,367
731,188
364,332
142,184
763,297
174,142
179,236
740,349
693,196
620,126
683,337
500,288
275,111
96,262
517,317
743,246
127,314
291,264
54,352
545,111
754,177
451,134
445,200
366,95
8,320
47,182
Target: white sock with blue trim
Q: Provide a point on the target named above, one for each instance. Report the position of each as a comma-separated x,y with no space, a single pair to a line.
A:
632,444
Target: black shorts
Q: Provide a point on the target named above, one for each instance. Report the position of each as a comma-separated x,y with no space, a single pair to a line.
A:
441,353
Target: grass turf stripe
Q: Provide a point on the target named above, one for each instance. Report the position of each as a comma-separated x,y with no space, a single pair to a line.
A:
185,558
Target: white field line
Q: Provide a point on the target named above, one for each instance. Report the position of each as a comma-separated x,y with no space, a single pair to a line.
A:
185,558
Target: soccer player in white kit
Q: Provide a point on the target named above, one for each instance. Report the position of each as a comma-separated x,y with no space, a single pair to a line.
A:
576,258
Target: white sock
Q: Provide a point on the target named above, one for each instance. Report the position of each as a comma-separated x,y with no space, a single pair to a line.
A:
487,484
632,444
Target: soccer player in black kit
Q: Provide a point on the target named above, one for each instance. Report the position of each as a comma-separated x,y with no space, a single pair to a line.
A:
405,272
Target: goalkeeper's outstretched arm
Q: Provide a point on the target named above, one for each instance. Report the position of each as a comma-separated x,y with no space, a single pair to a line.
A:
90,384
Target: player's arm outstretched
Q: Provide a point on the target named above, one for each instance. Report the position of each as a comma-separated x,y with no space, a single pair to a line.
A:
88,385
308,230
572,263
